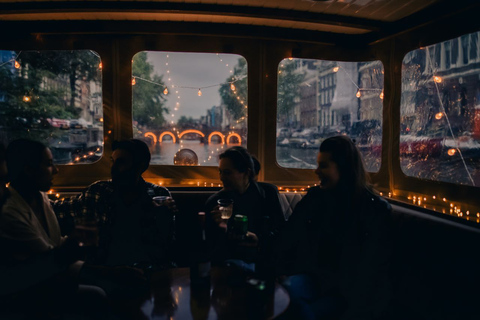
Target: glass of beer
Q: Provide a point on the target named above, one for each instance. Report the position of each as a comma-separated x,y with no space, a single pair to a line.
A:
226,208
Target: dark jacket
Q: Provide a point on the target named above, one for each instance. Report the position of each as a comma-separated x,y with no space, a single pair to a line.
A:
261,204
345,246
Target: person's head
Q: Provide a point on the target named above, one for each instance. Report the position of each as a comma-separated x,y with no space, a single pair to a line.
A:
130,158
340,165
236,168
256,167
3,172
30,165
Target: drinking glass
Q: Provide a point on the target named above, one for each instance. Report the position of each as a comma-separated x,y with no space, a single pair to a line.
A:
160,199
226,208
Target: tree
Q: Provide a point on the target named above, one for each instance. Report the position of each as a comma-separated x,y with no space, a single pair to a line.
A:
27,99
75,65
184,122
288,89
148,98
233,99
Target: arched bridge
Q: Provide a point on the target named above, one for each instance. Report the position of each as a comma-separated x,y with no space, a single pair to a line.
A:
228,137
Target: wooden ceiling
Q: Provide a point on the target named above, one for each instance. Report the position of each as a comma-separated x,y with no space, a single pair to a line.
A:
346,17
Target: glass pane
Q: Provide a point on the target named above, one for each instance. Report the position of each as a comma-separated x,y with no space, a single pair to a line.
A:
317,99
54,97
440,113
189,107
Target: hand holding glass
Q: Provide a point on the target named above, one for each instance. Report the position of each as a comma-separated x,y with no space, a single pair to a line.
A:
226,208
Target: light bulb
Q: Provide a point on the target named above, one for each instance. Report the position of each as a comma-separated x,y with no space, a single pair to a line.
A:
165,92
451,152
133,81
17,65
100,66
232,86
26,98
359,94
336,69
437,79
199,92
381,95
439,115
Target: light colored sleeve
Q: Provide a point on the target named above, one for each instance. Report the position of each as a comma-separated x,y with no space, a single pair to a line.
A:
23,238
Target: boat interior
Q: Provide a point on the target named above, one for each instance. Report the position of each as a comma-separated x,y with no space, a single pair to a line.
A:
435,267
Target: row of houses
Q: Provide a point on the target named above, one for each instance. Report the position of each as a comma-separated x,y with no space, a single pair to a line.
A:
334,95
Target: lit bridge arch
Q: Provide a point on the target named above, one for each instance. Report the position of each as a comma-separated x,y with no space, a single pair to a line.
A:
151,135
191,131
233,134
216,133
167,133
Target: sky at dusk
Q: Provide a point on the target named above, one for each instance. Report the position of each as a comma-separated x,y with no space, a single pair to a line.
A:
194,70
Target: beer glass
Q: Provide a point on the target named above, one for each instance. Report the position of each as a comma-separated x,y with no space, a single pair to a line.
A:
226,208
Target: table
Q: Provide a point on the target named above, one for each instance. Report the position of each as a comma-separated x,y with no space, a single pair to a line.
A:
229,296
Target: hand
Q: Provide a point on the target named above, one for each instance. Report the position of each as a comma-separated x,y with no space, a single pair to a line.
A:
217,218
169,203
85,235
250,239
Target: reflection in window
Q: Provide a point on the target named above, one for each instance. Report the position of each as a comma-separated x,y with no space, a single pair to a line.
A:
308,112
440,114
189,107
54,97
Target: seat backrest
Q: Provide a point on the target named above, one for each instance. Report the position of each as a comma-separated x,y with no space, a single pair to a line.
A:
288,201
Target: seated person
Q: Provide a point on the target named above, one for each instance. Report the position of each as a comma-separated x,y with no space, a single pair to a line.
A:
259,203
336,244
39,267
133,229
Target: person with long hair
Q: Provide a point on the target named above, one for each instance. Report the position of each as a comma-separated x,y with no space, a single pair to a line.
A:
336,248
258,202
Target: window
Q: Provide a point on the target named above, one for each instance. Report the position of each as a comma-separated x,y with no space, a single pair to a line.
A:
338,110
54,97
440,119
189,107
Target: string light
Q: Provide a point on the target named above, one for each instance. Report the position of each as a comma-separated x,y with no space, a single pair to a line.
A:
199,92
359,94
335,69
17,65
451,152
133,81
100,66
439,115
26,99
232,86
165,92
381,95
437,79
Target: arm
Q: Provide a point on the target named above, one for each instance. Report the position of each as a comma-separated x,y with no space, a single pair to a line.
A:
369,294
85,204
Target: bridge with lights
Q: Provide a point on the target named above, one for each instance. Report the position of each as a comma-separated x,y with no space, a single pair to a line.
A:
228,137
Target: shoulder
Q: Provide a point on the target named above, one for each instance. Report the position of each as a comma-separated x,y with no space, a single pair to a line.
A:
375,202
100,186
154,190
268,187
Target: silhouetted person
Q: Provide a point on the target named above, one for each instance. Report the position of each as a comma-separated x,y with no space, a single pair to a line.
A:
260,203
133,229
336,244
39,268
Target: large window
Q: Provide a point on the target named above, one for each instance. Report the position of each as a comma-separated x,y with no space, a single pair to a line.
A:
440,112
54,97
319,99
189,107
